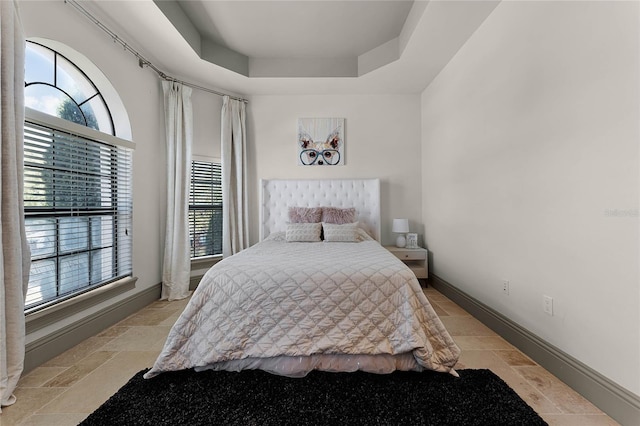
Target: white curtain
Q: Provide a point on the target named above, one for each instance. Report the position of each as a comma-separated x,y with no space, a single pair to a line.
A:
15,260
235,228
179,128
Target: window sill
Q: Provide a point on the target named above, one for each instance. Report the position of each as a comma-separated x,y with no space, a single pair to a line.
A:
199,266
205,262
49,315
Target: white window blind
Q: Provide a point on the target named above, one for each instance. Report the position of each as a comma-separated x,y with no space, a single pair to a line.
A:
205,209
78,213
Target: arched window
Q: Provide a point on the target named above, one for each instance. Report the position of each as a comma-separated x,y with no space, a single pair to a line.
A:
56,86
77,180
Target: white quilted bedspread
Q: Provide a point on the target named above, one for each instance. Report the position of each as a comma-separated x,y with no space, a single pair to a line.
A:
298,299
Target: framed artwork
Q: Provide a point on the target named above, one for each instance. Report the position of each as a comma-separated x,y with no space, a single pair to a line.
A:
412,240
321,141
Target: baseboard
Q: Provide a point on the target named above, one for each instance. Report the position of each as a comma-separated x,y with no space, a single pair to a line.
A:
34,321
194,281
48,347
617,402
199,267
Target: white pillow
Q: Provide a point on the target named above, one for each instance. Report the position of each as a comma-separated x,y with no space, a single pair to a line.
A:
303,232
277,236
346,233
363,235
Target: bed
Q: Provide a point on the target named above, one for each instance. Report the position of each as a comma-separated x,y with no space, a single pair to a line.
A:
300,300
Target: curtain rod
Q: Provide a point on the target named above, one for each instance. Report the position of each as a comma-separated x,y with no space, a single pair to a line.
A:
142,61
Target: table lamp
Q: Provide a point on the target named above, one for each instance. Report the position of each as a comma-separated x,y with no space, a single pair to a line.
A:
400,227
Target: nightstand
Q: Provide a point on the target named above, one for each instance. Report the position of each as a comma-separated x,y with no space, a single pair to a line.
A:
416,259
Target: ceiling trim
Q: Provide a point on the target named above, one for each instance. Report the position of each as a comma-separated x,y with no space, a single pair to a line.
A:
205,48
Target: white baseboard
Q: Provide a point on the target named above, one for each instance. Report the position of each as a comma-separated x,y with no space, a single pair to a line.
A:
616,401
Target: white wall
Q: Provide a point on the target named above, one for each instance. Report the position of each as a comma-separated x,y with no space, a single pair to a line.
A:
141,93
207,108
525,145
382,139
530,174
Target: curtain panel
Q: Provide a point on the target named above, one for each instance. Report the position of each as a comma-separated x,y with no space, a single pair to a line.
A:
16,258
179,134
235,213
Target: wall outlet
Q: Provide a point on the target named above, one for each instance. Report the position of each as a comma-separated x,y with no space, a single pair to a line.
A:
547,304
505,287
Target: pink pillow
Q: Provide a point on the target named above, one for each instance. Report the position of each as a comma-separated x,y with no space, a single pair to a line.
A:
338,216
305,214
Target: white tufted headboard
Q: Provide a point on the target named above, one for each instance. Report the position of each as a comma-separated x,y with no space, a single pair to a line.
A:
277,195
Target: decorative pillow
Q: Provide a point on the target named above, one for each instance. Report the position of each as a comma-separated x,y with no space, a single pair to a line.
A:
305,214
303,232
346,233
277,236
338,216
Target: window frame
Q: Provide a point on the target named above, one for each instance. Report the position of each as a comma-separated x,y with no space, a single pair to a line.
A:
111,287
209,259
54,84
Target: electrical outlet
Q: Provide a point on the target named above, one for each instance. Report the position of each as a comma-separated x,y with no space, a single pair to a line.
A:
547,304
505,287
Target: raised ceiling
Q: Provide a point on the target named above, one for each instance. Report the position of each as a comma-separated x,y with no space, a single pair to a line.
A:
292,38
303,29
298,47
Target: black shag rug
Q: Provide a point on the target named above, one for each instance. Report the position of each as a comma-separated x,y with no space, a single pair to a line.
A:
253,397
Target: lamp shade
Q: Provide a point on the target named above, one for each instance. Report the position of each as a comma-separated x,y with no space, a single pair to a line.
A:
400,225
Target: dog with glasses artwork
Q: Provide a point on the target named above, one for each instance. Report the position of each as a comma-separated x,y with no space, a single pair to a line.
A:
321,141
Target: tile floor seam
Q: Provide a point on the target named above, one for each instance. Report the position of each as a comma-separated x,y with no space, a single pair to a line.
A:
38,411
59,396
544,395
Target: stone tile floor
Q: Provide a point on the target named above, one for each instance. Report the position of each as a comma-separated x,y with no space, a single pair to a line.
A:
68,388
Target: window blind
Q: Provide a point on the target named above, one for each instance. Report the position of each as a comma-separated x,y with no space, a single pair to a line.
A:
78,213
205,209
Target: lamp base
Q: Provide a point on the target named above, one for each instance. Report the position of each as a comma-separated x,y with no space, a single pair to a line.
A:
401,241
